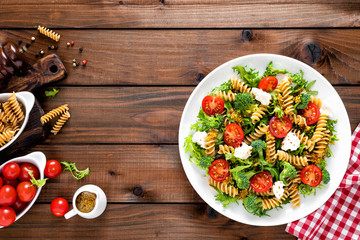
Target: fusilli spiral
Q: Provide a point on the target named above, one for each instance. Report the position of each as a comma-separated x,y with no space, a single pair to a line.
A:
225,148
54,113
60,122
294,196
270,148
258,114
223,187
210,143
294,160
6,137
304,139
16,108
320,128
239,86
288,99
258,133
229,96
49,33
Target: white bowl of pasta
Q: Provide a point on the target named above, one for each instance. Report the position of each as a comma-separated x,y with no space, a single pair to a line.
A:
199,177
14,115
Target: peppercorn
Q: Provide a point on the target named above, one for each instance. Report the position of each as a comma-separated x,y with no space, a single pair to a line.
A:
20,42
80,49
49,47
56,47
84,62
33,39
68,44
36,55
27,45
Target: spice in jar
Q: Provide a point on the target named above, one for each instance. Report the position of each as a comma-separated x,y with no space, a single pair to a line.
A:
85,201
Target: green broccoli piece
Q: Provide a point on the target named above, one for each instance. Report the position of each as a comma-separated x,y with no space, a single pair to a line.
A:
325,176
242,179
259,146
205,162
289,171
243,101
253,205
305,99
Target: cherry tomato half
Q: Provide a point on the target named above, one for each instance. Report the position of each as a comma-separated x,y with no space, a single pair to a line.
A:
59,206
311,113
26,191
52,169
268,84
219,170
7,195
233,135
311,175
280,127
7,216
18,205
261,182
11,171
212,105
25,168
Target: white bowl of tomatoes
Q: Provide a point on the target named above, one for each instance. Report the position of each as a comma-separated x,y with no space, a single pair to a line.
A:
17,194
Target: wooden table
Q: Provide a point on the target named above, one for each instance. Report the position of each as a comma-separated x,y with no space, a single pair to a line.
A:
145,57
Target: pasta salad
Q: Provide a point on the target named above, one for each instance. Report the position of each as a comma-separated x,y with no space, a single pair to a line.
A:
263,139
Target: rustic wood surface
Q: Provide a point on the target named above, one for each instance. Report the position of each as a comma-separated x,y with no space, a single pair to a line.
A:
145,57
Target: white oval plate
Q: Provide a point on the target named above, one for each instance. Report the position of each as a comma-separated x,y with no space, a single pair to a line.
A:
336,165
39,160
27,99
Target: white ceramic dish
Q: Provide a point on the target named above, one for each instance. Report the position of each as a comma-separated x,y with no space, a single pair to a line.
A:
39,160
336,165
27,99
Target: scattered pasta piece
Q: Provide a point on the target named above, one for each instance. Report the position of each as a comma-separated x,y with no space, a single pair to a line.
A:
54,113
60,122
49,33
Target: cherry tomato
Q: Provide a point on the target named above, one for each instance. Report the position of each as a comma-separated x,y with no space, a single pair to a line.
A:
280,127
1,181
7,195
59,206
18,205
13,182
261,182
25,168
7,216
311,175
268,84
11,171
219,170
233,135
26,191
212,105
52,168
311,113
